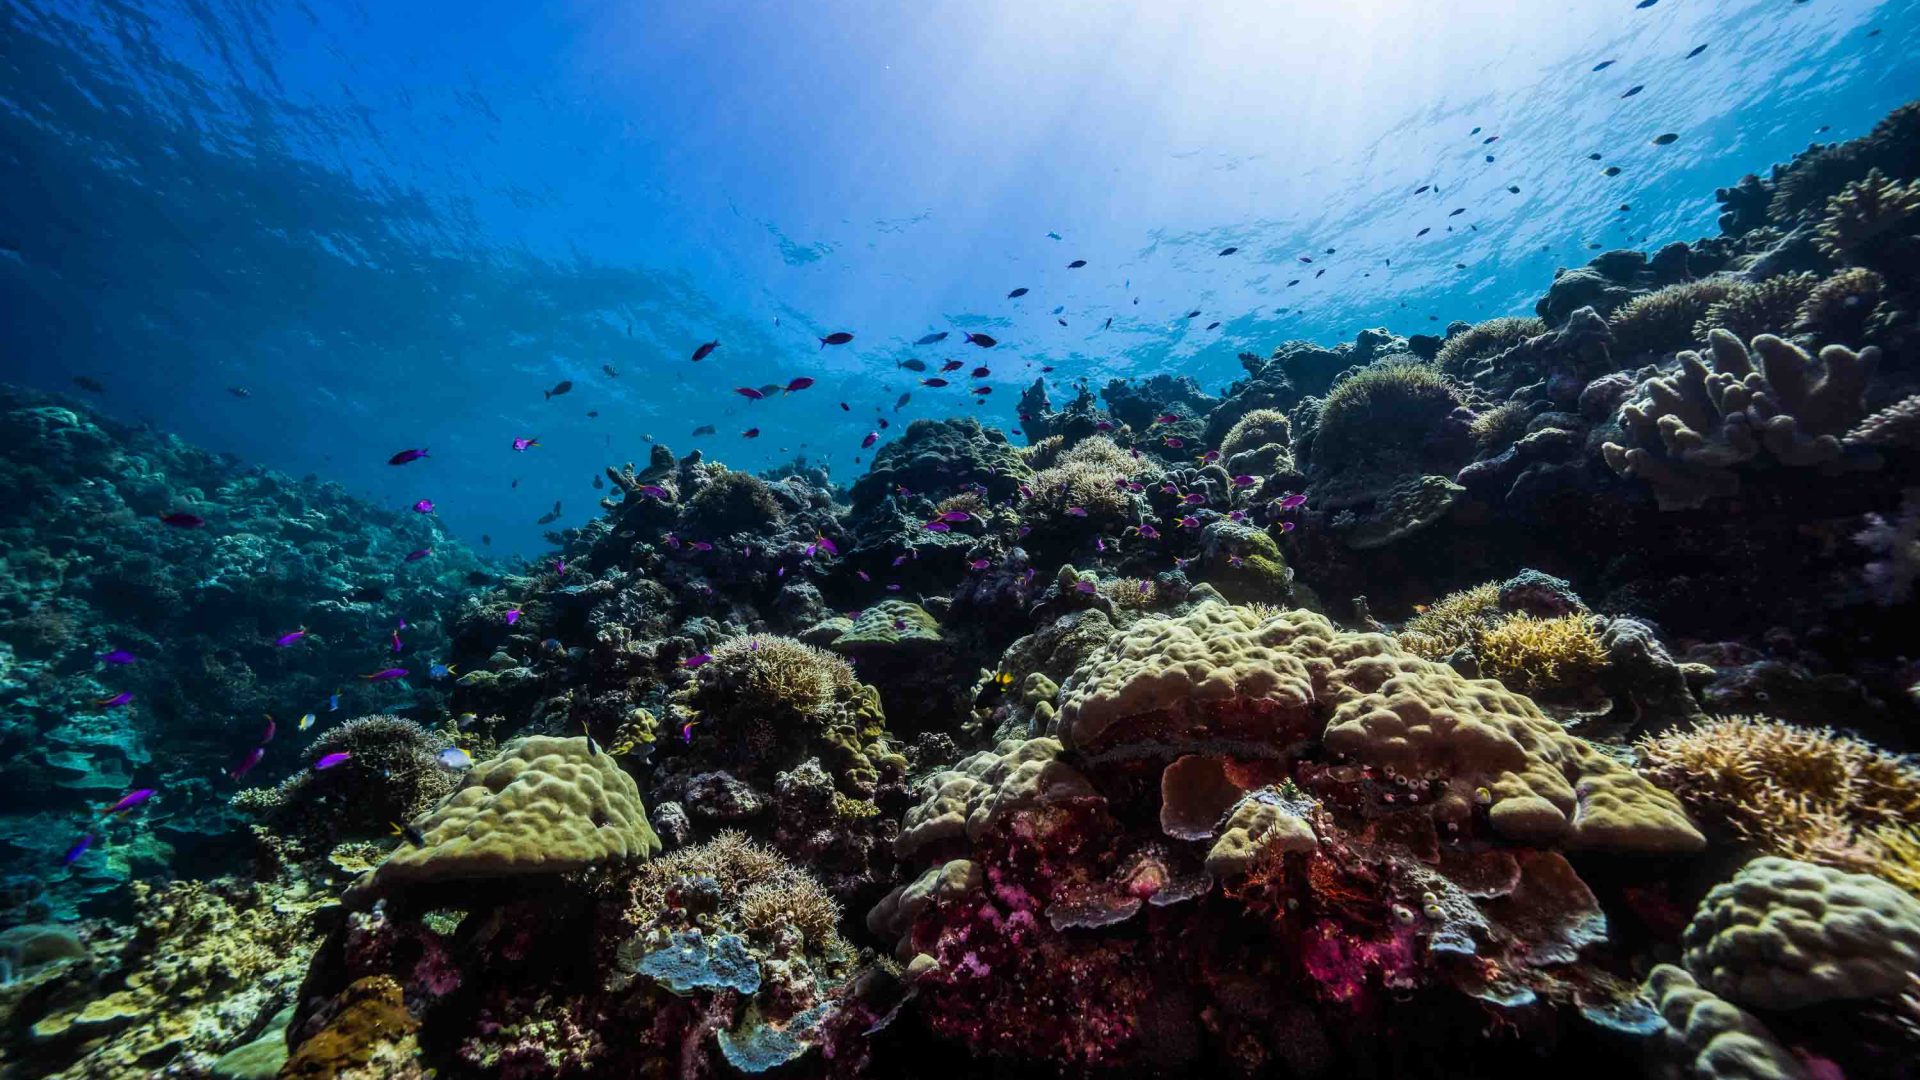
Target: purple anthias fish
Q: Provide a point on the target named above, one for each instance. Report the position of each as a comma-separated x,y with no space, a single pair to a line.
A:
386,674
115,701
1292,502
397,646
1175,442
118,658
513,616
700,545
1076,511
1288,526
405,456
696,660
1193,498
956,516
980,564
523,444
937,526
559,566
247,763
266,736
416,556
1244,481
424,506
1083,585
78,849
1149,532
1188,522
1236,515
1210,457
290,638
128,801
653,491
893,588
330,760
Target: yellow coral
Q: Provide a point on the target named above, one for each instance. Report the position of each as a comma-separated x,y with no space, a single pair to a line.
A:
1899,861
1541,654
1810,793
1451,621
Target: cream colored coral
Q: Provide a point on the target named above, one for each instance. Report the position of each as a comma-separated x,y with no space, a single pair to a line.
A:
1265,822
985,787
1192,667
543,805
1785,934
1715,1040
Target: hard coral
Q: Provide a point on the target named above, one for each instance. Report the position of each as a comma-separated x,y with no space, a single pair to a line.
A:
751,889
1484,340
732,501
1091,477
1751,309
1531,654
1391,405
1808,793
1713,1039
393,775
1259,443
1874,222
1664,320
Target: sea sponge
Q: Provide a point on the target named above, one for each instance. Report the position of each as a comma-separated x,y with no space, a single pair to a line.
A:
984,788
1387,407
1664,320
1260,443
542,805
1765,307
732,501
1841,308
1541,654
1808,793
1714,1039
1873,222
1483,340
1690,429
1785,934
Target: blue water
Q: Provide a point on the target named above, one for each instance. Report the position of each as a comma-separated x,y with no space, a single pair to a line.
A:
396,225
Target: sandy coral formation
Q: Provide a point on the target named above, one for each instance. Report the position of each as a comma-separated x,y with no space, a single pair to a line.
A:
542,805
1483,341
1692,428
1784,934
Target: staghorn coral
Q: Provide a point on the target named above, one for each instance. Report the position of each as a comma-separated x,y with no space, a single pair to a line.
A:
1808,793
1690,429
1784,934
1439,628
1497,428
1899,848
542,805
1091,476
732,501
1766,307
1873,222
1665,320
1484,340
1532,654
1841,308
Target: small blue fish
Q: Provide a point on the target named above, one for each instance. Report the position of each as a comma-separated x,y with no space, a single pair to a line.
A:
78,849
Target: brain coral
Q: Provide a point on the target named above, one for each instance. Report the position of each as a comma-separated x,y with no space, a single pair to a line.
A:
983,788
1231,679
543,805
1785,934
1718,1041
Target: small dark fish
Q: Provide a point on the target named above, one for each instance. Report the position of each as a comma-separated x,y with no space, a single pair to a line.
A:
410,833
1108,325
1021,291
608,368
78,849
1644,4
1318,273
1422,189
872,437
981,340
932,339
1611,170
1292,283
935,383
486,540
182,520
1666,139
1604,65
561,387
597,484
952,365
92,386
1423,232
1194,314
1633,91
1474,132
1215,325
838,337
750,433
1228,250
901,401
911,364
844,407
1306,258
980,373
703,429
416,556
1513,189
1458,212
593,414
1624,207
1076,264
797,384
1698,49
1593,157
749,393
405,456
705,351
983,390
1489,140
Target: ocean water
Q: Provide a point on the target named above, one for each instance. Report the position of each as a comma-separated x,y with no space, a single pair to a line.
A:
398,225
587,539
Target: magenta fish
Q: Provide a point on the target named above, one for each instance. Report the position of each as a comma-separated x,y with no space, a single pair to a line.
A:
749,393
797,384
872,437
937,526
416,556
652,491
1292,502
1210,457
1288,526
328,761
115,701
424,506
386,674
1193,498
118,658
513,616
1175,442
956,516
862,575
1150,532
980,564
1244,481
290,638
266,736
1076,511
525,444
1188,522
78,849
1166,418
405,456
128,801
1103,425
696,660
700,545
1085,586
247,763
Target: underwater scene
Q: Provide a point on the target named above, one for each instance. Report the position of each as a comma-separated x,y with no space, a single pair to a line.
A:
592,539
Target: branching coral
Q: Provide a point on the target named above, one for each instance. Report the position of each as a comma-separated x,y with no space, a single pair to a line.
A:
1874,222
1484,340
1259,443
1690,429
1841,308
1452,621
733,501
1896,542
1541,654
1497,428
1091,477
1388,406
1664,320
1764,307
1809,793
392,775
740,885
